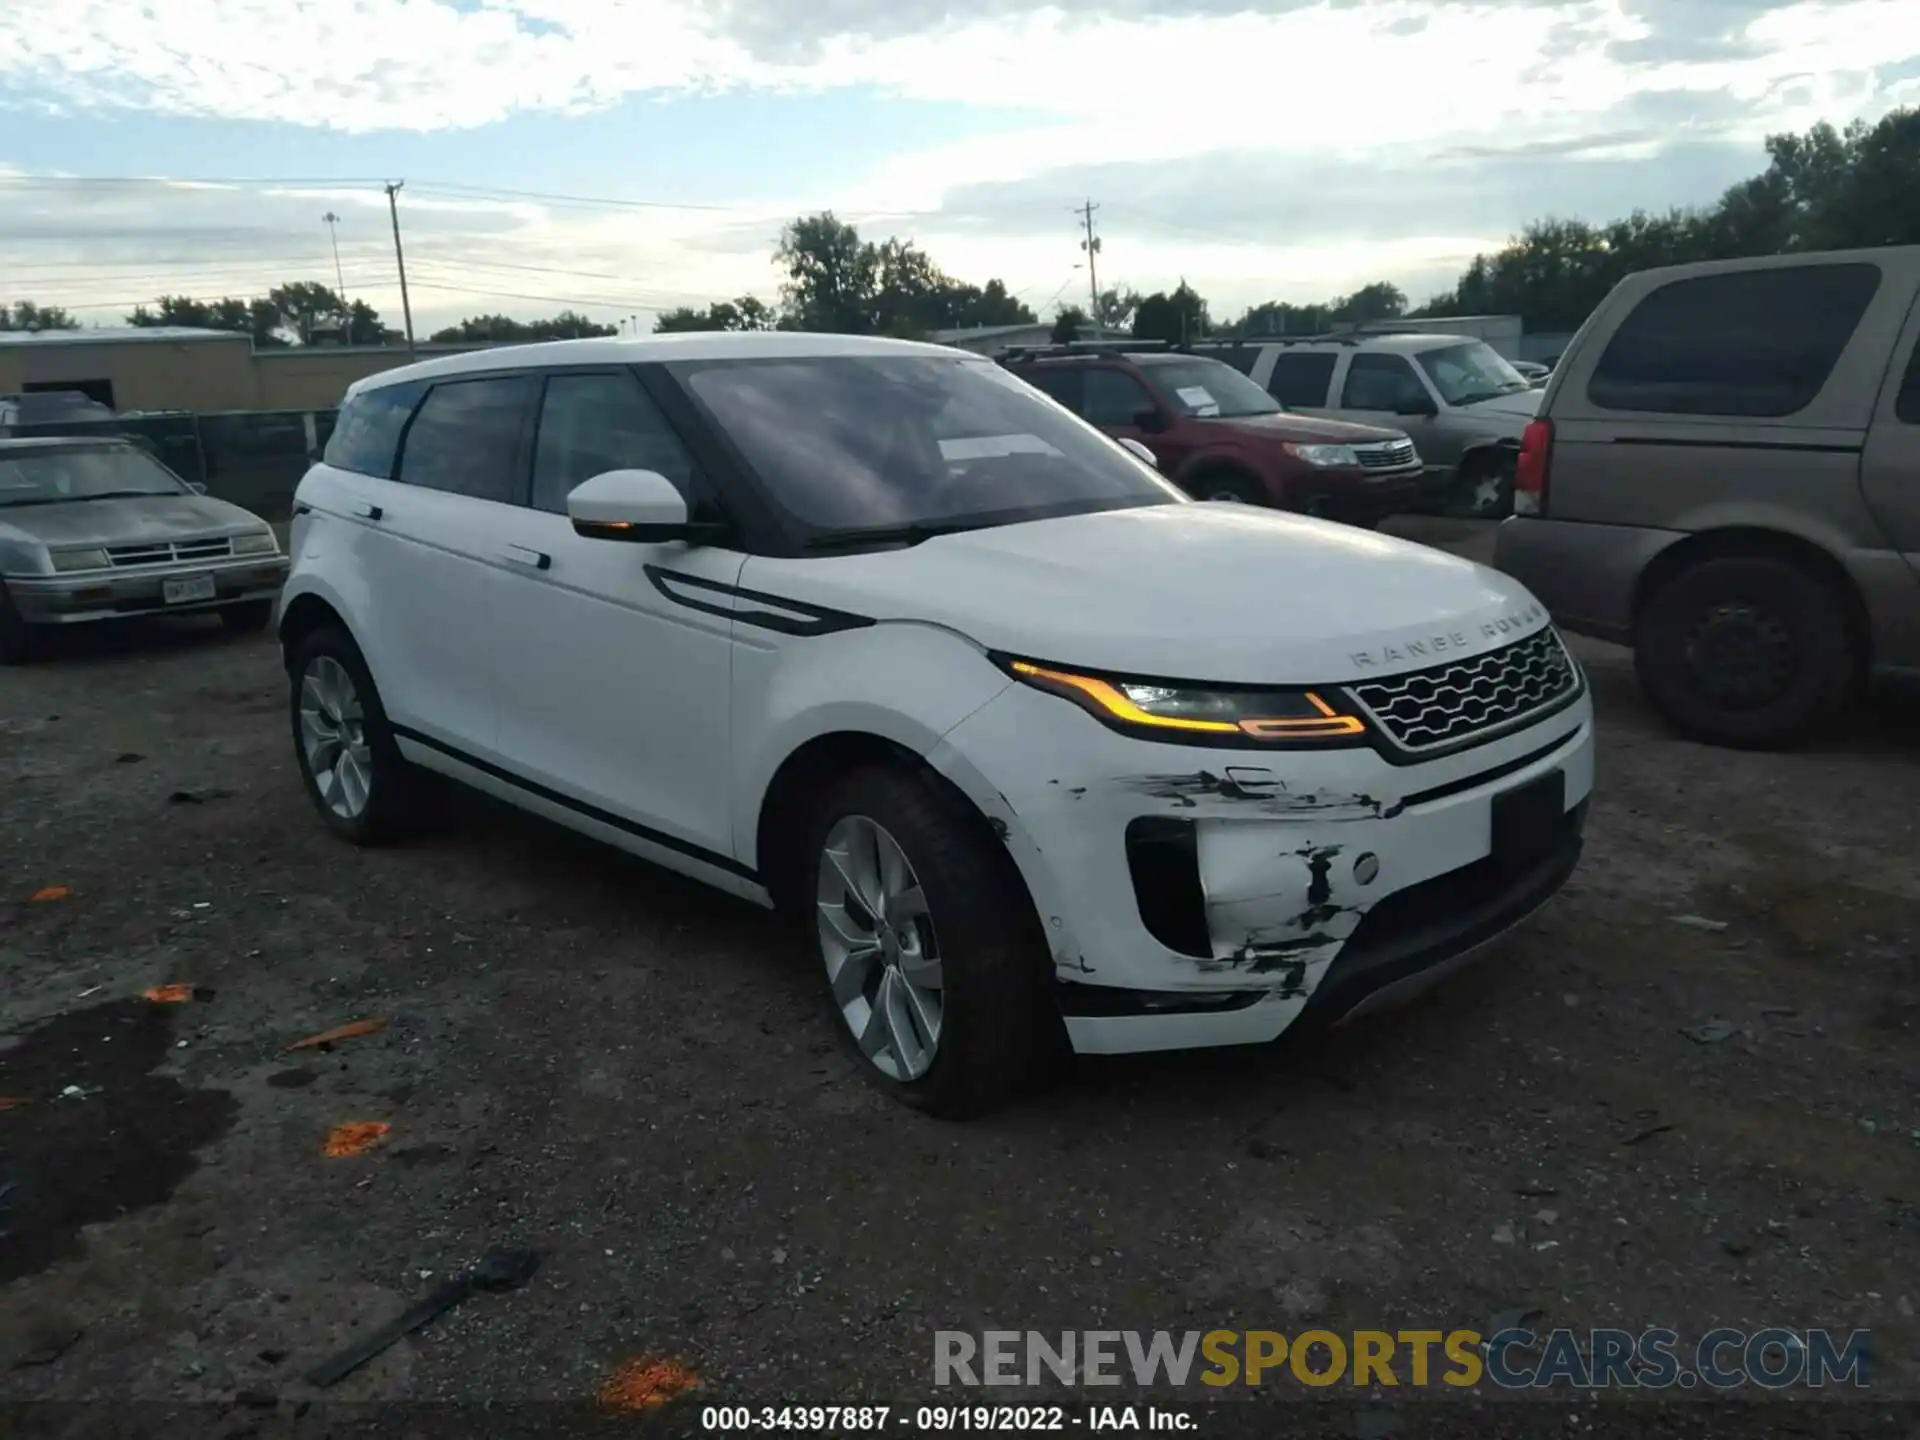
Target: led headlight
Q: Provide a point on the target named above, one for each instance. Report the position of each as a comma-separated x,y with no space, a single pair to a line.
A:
1195,712
260,542
65,560
1325,456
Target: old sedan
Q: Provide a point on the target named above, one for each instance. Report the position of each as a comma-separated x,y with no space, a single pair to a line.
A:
92,529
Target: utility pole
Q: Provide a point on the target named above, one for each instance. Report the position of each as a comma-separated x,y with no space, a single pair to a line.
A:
400,259
340,279
1092,246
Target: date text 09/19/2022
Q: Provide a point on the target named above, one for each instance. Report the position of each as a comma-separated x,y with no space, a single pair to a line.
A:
942,1419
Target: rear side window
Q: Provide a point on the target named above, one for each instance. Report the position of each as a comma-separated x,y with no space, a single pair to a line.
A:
1302,378
465,438
366,432
590,424
1062,382
1752,343
1906,406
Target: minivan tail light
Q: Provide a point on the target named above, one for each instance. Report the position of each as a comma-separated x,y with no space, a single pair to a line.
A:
1530,472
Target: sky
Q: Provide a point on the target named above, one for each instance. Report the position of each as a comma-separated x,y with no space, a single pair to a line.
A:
620,157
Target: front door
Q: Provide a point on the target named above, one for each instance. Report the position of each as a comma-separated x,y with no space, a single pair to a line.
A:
1115,400
613,690
1890,466
1385,390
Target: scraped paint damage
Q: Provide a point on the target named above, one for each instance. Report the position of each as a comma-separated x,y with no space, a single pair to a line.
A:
1186,791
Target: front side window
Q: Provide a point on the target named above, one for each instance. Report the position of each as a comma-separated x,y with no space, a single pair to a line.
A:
1758,343
1382,382
1467,374
1112,398
874,442
1906,405
465,438
590,424
366,432
106,472
1208,390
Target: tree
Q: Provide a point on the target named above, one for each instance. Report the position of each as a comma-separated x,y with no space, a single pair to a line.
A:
260,320
502,330
1113,309
831,275
1068,321
987,305
746,313
25,315
1381,300
1175,318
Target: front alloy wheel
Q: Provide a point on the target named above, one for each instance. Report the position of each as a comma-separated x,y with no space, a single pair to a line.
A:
881,952
333,738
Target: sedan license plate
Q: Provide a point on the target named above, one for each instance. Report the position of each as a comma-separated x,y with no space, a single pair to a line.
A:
187,589
1528,820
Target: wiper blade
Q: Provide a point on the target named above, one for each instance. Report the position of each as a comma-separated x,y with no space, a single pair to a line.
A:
911,534
77,499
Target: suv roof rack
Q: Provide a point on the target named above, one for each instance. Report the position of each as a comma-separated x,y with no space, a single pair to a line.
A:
1079,347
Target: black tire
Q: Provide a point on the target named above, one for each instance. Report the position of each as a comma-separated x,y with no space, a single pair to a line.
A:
994,1031
247,617
397,804
19,641
1485,489
1746,651
1229,485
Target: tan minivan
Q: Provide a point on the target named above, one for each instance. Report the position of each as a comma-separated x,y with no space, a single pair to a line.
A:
1725,474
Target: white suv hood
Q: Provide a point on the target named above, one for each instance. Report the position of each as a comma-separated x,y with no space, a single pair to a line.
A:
1198,591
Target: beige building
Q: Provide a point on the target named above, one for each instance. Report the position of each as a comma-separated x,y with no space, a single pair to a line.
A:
175,368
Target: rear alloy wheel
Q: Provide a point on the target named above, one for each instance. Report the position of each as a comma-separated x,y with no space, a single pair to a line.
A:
927,945
353,770
1485,491
1746,651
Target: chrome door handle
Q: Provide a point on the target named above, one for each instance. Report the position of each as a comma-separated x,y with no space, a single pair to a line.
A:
368,512
533,559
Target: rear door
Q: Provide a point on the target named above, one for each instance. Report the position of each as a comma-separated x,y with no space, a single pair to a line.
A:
1890,464
1301,380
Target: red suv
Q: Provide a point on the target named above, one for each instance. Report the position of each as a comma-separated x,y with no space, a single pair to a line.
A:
1219,436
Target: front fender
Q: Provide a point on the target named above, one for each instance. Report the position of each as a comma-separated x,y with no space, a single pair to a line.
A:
907,683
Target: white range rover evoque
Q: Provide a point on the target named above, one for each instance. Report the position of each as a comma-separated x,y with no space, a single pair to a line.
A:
875,631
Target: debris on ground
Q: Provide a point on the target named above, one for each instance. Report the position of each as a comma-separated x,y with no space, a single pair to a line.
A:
50,892
1503,1233
291,1079
354,1137
176,994
1698,922
352,1030
197,797
14,1102
498,1269
1535,1190
644,1383
1646,1133
1710,1032
128,757
45,1343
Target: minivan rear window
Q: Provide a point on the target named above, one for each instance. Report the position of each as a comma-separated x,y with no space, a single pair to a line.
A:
366,433
1758,344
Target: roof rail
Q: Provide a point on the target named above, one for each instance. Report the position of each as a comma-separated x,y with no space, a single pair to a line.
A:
1079,347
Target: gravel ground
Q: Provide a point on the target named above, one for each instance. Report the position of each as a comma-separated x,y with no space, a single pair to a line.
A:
633,1077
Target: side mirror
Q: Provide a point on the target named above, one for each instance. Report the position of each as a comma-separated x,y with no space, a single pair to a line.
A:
1139,452
1150,422
196,487
640,506
1417,405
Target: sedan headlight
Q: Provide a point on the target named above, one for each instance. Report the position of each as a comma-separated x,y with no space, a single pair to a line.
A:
261,542
65,560
1190,712
1326,456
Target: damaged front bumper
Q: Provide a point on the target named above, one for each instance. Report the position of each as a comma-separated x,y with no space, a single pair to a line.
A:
1197,897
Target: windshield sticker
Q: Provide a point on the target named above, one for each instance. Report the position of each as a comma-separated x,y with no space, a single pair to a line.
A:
1198,399
987,447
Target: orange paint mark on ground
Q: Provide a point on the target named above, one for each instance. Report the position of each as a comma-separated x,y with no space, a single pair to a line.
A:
355,1137
643,1383
168,994
340,1032
50,892
13,1102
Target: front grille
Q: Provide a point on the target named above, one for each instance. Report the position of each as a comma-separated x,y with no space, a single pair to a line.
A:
1449,703
1389,456
122,556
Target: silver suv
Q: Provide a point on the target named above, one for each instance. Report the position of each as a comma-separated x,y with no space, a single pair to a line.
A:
1725,474
1462,403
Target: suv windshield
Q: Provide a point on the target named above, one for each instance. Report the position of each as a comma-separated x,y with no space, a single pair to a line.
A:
45,477
1208,389
1470,372
891,442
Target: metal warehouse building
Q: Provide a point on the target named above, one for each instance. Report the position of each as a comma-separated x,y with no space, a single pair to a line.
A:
175,368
